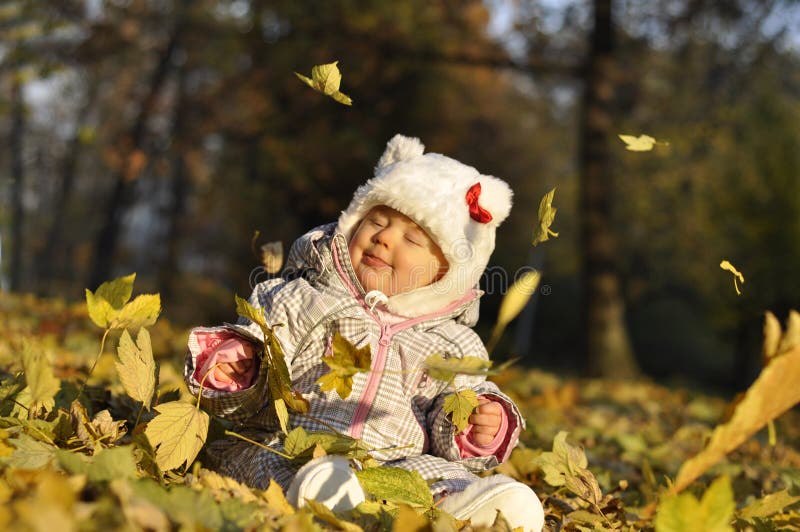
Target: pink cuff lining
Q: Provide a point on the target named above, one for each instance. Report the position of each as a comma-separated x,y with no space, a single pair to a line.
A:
221,348
470,449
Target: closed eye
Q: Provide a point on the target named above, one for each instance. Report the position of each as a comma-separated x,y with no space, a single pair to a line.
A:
413,240
377,222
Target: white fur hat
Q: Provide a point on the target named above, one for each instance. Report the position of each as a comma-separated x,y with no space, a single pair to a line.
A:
457,206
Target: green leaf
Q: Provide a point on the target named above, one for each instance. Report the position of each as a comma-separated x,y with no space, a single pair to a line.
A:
104,304
29,453
345,361
136,366
42,384
246,310
566,466
100,311
326,515
460,405
177,433
396,485
768,505
326,79
547,214
684,513
109,464
141,312
445,369
300,444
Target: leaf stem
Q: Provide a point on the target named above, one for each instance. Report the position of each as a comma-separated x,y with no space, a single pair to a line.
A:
94,365
248,440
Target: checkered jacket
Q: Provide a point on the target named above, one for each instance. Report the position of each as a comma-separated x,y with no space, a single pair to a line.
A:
396,408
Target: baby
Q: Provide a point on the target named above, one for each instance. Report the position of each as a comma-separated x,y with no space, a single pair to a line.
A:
398,273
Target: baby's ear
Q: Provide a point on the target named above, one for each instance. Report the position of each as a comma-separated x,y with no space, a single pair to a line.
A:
400,148
495,197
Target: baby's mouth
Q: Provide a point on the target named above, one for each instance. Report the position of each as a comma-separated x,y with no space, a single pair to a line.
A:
374,262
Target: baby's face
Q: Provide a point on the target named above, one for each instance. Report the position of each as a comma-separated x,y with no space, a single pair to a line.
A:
393,254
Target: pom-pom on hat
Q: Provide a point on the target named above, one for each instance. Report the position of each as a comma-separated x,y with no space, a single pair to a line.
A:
457,206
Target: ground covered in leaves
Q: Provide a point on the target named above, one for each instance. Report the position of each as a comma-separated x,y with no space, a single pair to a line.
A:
601,455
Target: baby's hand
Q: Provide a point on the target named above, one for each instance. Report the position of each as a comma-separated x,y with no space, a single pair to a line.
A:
486,419
234,372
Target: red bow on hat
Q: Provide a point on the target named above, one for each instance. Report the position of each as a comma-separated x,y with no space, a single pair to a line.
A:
476,212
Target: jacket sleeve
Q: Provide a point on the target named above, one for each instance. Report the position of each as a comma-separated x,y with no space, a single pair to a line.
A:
443,431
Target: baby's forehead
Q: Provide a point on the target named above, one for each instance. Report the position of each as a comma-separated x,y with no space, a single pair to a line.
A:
393,213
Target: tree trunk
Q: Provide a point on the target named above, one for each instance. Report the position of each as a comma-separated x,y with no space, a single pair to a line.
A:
108,236
17,179
607,346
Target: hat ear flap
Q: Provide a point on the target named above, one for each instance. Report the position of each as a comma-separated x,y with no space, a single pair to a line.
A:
400,148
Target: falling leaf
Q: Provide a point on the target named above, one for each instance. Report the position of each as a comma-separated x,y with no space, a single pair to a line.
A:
547,214
460,405
772,337
791,338
42,385
684,513
272,256
725,265
640,143
396,485
774,392
177,433
513,302
136,366
445,369
326,79
345,361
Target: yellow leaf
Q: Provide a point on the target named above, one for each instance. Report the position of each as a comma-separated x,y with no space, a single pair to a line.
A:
725,265
768,505
326,79
141,312
774,392
409,520
276,499
42,384
513,302
326,515
136,366
684,513
460,405
772,337
177,433
345,361
105,303
272,256
791,338
246,310
445,369
640,143
547,214
396,485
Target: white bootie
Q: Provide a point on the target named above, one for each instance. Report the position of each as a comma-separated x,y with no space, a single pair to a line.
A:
328,480
480,501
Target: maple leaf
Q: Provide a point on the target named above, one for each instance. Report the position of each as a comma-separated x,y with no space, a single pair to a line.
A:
567,466
177,433
547,214
460,405
684,513
105,303
326,79
345,361
141,312
136,366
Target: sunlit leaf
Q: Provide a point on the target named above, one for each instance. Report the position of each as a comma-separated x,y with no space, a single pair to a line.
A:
725,265
640,143
345,361
396,485
409,520
684,513
768,505
42,385
547,214
774,392
324,514
272,256
29,453
246,310
105,303
772,336
566,466
512,304
143,311
791,338
177,433
460,405
136,366
445,369
326,79
109,464
276,499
